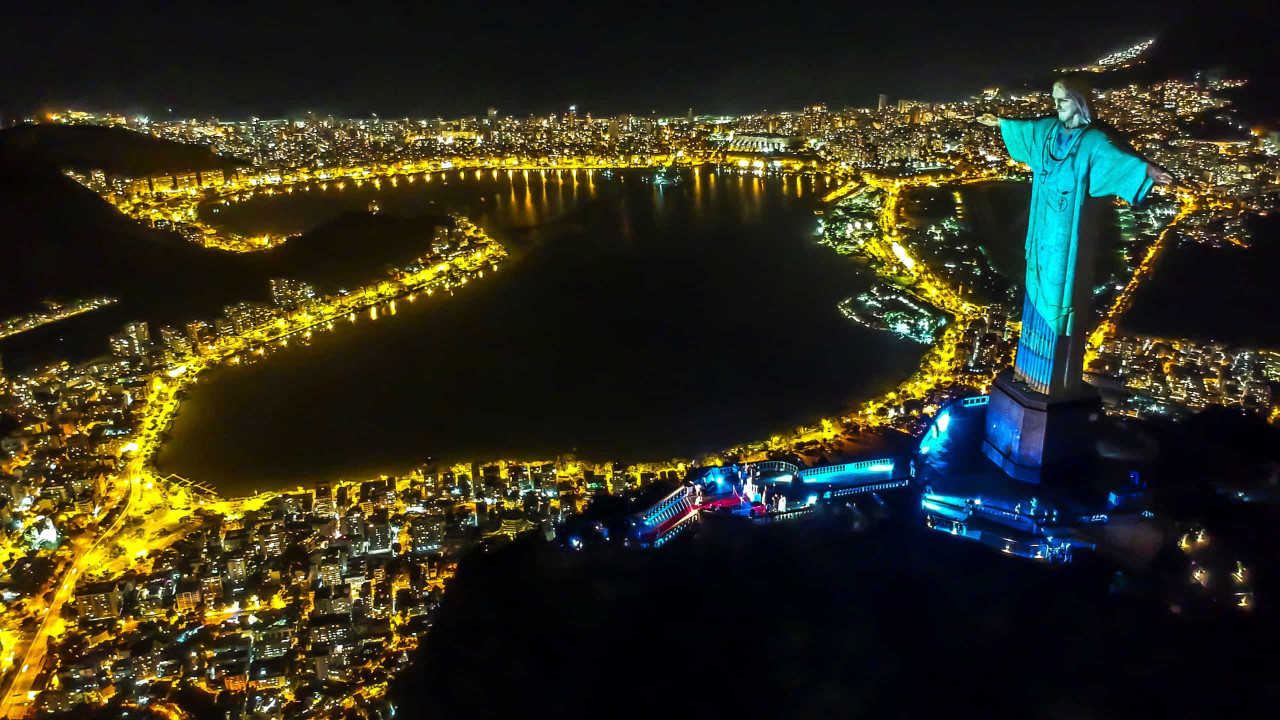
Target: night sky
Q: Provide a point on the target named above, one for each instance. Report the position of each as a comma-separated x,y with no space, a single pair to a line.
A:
353,58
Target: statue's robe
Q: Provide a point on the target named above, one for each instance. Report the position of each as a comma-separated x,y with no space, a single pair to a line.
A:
1059,261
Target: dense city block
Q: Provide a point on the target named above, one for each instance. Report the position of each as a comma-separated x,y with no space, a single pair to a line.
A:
127,590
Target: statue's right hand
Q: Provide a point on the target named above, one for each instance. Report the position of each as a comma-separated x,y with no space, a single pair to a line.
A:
989,120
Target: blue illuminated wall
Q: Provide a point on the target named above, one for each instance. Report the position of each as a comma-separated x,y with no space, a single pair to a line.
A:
937,432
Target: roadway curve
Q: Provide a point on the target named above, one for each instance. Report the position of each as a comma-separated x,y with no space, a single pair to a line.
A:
15,703
161,405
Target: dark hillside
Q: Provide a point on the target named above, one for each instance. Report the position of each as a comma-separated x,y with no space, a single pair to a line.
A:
115,151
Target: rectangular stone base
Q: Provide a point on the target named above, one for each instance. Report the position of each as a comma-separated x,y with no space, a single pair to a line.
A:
1029,432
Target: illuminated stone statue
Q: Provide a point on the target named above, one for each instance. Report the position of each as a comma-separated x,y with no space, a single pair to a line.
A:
1070,160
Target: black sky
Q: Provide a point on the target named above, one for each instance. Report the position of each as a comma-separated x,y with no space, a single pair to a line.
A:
238,59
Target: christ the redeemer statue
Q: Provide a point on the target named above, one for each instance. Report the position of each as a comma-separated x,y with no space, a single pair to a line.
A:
1070,160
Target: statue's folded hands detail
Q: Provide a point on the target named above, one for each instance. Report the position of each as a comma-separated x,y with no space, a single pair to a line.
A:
1071,159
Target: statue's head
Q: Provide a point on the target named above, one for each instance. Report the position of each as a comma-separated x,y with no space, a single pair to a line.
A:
1071,98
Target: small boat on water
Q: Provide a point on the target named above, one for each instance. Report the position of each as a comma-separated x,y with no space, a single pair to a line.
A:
662,178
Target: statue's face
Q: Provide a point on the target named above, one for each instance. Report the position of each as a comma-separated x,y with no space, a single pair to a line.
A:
1068,109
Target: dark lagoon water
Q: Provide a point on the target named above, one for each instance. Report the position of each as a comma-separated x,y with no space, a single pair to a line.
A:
1225,294
632,322
82,247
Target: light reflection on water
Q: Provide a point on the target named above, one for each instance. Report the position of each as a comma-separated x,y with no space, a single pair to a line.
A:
634,322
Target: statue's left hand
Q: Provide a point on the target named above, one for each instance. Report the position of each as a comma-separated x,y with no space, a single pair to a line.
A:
1158,175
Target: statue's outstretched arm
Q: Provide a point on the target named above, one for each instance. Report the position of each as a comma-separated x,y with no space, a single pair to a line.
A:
1018,136
1121,172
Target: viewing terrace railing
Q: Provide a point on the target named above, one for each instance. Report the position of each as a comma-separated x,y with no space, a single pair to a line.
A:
802,511
681,525
871,488
668,507
778,466
829,473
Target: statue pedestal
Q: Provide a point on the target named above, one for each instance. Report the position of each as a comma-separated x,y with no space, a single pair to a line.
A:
1029,433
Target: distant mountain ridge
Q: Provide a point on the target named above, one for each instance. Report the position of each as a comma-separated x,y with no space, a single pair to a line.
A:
1240,41
115,151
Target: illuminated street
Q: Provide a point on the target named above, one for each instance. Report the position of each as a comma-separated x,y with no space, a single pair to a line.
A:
131,589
